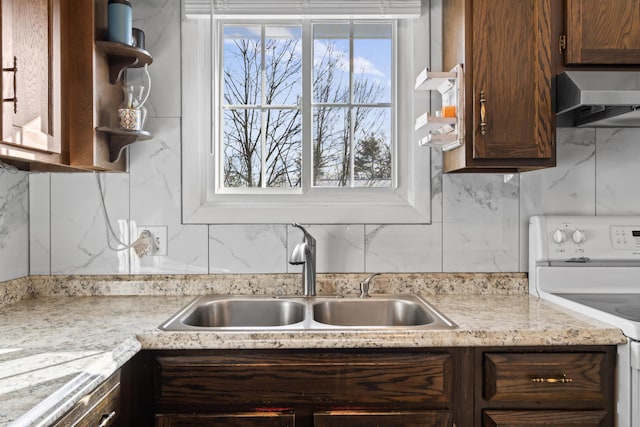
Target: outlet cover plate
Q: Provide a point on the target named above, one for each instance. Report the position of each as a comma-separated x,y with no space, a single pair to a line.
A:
159,234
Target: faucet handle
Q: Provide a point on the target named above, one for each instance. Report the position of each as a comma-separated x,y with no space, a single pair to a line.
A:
364,285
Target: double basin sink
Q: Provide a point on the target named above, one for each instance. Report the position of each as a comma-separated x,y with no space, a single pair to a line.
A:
223,312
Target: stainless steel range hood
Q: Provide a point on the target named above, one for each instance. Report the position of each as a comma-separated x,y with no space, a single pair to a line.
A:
598,99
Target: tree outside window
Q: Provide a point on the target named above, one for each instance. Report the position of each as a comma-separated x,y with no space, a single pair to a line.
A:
351,109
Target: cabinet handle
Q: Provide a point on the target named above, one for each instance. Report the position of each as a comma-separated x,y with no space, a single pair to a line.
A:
563,380
483,113
13,70
106,419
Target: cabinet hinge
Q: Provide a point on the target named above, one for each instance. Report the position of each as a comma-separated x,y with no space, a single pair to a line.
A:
562,44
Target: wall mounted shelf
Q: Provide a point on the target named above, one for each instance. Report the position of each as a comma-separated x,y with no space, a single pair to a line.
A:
122,56
119,139
445,133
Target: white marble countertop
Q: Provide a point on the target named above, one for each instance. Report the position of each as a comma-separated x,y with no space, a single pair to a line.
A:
55,349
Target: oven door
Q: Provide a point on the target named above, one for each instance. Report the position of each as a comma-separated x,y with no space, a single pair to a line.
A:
635,383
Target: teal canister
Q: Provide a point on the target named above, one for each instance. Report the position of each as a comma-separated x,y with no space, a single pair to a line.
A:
120,21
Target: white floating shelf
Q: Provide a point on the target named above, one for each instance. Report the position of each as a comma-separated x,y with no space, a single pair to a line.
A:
432,123
445,133
444,142
432,80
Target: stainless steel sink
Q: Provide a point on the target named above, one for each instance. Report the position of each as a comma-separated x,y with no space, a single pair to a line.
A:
228,313
372,312
245,313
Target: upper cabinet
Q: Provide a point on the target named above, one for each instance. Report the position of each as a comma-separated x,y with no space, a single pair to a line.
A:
505,49
62,85
602,32
31,69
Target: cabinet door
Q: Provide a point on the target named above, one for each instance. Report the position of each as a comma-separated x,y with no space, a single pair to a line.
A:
387,419
544,418
513,118
255,419
603,32
31,35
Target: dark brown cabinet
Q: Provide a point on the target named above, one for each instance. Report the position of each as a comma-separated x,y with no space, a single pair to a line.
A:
505,49
602,32
412,388
400,387
544,418
253,419
525,387
392,419
99,408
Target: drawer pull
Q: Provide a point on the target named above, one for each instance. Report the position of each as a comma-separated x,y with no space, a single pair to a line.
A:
483,113
106,419
563,380
13,70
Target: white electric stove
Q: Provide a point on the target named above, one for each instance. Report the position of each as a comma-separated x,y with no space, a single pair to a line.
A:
591,264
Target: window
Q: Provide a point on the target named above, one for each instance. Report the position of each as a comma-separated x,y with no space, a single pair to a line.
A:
264,107
309,120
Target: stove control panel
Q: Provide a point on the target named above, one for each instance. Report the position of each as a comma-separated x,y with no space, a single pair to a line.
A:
585,238
624,237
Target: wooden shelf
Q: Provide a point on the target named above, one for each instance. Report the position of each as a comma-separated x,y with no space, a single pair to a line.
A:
122,56
119,138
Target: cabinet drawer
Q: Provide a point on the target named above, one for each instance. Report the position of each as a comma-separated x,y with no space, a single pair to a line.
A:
544,418
389,419
309,378
99,408
512,377
253,419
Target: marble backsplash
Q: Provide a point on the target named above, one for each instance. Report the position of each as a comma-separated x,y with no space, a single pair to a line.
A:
14,223
479,221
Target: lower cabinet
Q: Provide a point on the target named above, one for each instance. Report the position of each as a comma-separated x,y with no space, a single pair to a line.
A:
252,419
544,418
321,388
99,408
559,386
428,387
390,419
320,419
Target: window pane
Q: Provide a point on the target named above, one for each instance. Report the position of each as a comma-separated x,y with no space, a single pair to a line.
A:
241,65
372,159
331,63
372,59
284,148
283,68
330,147
242,148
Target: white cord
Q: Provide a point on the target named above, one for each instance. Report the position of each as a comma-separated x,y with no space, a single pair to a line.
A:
146,71
109,228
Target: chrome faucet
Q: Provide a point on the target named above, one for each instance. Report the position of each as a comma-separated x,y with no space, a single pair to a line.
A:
305,253
364,285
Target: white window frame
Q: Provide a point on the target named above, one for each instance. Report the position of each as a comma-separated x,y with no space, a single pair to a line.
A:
408,201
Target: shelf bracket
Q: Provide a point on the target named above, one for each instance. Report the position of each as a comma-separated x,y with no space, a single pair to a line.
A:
119,139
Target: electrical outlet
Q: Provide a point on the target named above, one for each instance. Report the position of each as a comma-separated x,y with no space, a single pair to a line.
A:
159,235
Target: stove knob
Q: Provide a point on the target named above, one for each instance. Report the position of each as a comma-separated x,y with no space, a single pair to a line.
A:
578,236
559,236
